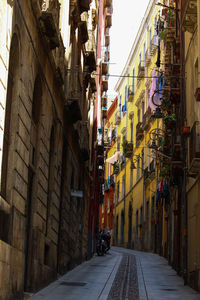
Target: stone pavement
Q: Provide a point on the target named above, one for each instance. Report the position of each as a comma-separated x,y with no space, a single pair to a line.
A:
112,277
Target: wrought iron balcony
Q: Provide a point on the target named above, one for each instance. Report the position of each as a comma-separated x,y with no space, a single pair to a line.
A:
189,21
104,101
108,22
107,56
72,106
49,21
90,61
130,95
93,86
146,119
117,119
147,57
83,31
84,5
195,148
104,85
141,70
104,68
104,112
139,131
107,40
107,3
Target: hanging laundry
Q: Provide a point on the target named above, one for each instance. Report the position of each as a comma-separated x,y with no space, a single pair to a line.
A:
154,98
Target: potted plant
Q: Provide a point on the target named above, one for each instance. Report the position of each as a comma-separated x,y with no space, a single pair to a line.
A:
170,120
127,148
116,168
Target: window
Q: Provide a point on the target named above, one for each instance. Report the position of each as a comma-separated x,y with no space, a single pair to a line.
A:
138,169
123,187
131,179
150,38
152,207
136,223
133,81
147,216
155,32
118,143
144,50
120,105
138,115
123,138
140,58
196,75
118,184
141,215
148,157
131,131
126,97
142,111
142,161
109,169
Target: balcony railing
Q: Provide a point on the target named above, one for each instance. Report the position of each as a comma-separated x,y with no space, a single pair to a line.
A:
107,3
141,70
104,68
104,112
189,21
130,95
146,119
84,31
107,40
195,148
108,23
49,22
84,5
90,61
104,101
147,57
117,119
139,131
104,85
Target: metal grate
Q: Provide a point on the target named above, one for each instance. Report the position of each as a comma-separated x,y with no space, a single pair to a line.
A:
73,283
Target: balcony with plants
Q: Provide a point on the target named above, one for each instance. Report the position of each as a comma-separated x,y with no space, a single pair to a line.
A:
127,149
116,168
139,131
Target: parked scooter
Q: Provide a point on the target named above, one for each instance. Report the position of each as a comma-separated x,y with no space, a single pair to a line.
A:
103,242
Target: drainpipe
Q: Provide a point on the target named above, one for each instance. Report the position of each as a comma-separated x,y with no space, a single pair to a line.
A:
185,272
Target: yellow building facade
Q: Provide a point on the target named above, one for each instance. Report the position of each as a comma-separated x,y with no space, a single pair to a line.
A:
136,181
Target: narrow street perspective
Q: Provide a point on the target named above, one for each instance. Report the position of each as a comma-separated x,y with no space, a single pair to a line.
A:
121,275
99,149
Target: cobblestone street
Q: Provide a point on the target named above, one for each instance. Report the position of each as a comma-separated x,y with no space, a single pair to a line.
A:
121,274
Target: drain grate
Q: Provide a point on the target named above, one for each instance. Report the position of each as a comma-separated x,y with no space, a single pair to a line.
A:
170,290
73,283
103,266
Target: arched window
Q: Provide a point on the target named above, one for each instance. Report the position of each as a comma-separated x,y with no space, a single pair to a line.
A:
11,86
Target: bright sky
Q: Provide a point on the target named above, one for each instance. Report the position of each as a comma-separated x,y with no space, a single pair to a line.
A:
126,20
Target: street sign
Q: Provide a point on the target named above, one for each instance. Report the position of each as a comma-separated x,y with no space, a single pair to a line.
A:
76,193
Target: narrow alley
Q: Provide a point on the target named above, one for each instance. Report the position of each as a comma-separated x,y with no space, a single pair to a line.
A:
122,274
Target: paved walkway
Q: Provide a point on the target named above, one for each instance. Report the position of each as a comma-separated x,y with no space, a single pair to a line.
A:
98,278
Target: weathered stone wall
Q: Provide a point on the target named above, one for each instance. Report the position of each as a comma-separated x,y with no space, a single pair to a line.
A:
43,225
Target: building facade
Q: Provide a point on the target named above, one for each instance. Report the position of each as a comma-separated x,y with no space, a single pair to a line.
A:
48,52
